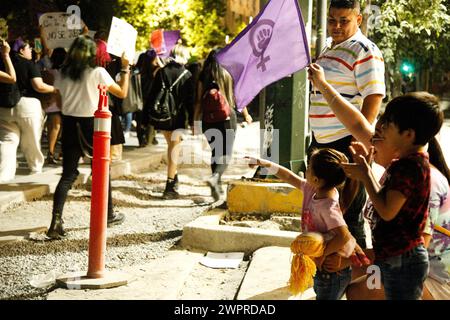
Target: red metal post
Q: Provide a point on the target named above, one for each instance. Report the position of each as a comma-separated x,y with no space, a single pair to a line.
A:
99,194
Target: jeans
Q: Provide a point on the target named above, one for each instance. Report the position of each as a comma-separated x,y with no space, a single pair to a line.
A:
403,275
127,118
331,286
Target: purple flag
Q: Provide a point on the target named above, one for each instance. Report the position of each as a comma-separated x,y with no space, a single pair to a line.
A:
273,46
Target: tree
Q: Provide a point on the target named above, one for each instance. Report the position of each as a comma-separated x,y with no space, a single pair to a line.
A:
413,30
199,21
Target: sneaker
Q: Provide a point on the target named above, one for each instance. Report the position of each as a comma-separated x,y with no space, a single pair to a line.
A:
116,218
155,141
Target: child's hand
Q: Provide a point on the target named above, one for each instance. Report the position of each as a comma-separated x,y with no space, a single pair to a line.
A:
358,149
359,258
254,162
358,170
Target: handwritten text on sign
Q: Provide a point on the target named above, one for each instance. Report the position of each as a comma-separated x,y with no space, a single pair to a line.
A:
56,31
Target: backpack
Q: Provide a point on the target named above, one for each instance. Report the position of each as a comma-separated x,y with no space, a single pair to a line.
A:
215,106
164,109
133,102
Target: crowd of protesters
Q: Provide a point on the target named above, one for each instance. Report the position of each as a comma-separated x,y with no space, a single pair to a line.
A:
408,209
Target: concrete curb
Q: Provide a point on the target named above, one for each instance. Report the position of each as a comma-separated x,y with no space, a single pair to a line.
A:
28,188
205,233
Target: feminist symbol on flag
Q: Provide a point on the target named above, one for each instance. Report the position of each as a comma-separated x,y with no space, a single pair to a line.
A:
260,36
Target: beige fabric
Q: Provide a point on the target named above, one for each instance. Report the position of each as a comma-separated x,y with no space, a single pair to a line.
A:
439,291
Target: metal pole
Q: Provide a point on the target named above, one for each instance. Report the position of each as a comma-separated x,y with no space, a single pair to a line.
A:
321,26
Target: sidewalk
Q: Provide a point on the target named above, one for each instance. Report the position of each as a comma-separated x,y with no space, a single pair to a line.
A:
177,276
26,186
265,278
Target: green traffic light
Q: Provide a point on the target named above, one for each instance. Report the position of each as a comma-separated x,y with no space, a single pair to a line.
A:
407,67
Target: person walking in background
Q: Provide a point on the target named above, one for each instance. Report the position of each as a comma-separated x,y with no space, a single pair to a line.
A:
50,105
213,75
173,81
23,123
112,64
78,84
9,96
148,65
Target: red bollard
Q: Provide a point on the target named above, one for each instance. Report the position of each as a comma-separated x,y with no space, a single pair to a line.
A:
99,194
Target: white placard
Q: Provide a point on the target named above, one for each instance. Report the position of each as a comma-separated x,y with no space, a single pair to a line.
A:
59,29
122,38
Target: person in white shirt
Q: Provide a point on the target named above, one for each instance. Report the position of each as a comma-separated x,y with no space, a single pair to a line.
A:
78,86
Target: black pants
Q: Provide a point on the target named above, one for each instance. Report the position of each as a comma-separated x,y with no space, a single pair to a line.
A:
353,216
72,152
220,136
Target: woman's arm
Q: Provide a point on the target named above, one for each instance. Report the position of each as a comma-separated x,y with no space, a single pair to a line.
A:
348,114
281,172
9,76
40,86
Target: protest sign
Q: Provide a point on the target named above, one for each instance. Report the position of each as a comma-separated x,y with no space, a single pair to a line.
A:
122,38
57,28
163,41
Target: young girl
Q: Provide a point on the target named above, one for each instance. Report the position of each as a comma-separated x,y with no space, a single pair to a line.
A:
321,213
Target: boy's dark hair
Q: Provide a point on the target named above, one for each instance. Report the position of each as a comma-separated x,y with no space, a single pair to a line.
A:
325,164
345,4
418,111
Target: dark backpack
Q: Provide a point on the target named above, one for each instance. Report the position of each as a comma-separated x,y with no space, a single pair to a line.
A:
164,109
214,105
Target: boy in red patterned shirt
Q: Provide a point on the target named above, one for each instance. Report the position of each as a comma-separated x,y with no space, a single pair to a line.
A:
401,203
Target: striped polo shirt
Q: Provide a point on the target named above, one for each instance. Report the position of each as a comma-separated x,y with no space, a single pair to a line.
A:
355,68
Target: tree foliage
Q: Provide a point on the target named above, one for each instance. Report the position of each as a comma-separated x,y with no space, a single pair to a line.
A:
199,21
416,30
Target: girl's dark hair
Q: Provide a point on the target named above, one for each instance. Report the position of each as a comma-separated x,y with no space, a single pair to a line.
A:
325,164
58,57
213,72
437,158
80,57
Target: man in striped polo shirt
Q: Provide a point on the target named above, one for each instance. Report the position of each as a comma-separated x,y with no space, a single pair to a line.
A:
354,66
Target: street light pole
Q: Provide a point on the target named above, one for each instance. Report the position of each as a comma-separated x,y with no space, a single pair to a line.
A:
321,26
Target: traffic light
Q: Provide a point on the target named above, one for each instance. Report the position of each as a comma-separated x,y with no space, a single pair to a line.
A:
407,68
